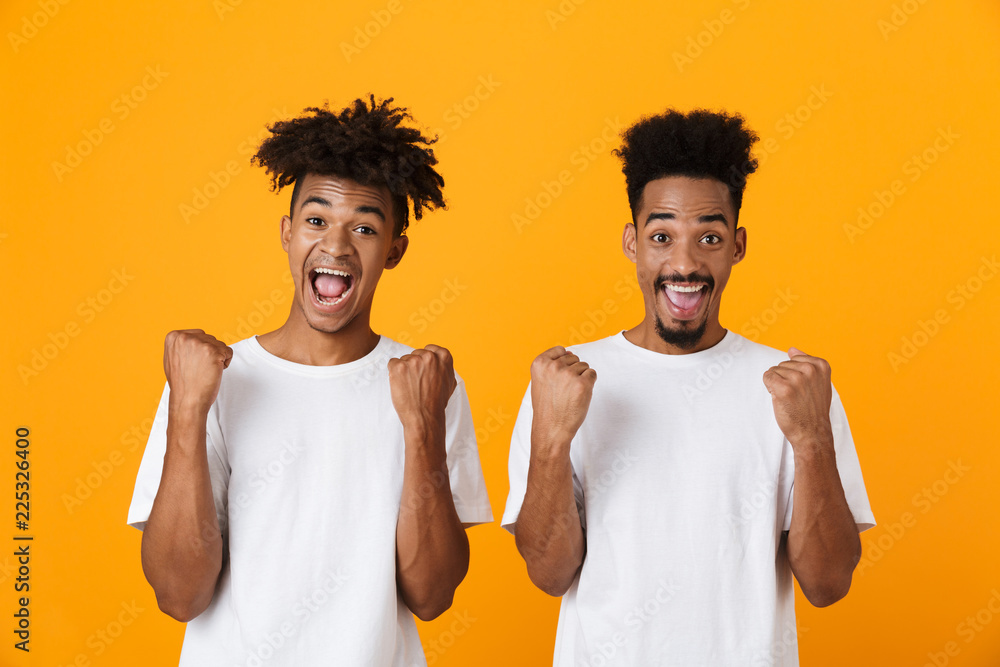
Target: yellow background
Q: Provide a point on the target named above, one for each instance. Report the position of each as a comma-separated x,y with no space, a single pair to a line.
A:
884,80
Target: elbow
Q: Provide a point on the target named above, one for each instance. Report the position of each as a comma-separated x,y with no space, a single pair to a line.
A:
828,593
428,610
180,609
551,583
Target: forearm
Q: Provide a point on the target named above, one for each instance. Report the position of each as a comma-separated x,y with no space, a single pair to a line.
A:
432,549
823,543
182,542
548,533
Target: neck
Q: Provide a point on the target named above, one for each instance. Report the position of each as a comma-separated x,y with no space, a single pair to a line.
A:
644,335
296,341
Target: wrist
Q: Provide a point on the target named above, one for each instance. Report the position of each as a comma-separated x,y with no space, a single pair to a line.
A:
550,443
813,448
423,424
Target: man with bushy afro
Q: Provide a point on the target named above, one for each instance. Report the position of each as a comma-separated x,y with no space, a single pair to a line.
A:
305,492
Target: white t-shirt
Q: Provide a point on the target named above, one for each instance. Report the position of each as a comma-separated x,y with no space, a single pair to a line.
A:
684,484
307,473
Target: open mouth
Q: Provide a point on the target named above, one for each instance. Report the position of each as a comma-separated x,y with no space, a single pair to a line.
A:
330,286
684,299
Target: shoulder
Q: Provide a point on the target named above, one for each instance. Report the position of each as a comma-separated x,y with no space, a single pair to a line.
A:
752,353
609,345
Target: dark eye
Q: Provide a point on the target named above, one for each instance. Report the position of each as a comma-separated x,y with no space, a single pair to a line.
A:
712,239
365,229
660,238
316,222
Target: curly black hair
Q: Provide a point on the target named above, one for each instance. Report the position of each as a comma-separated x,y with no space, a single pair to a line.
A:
367,144
699,144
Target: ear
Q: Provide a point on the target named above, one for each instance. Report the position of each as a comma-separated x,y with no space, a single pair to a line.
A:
741,245
628,241
286,232
396,251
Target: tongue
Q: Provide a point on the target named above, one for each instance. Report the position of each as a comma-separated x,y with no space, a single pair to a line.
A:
684,300
329,286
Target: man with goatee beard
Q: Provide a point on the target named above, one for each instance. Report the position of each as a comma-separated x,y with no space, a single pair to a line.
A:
669,480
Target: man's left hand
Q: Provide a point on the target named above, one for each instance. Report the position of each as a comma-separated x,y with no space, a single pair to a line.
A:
801,394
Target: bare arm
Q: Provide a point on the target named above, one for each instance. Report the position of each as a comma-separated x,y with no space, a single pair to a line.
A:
548,533
182,542
822,541
432,549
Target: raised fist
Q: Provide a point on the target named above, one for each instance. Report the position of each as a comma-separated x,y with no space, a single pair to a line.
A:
801,394
193,361
421,383
561,388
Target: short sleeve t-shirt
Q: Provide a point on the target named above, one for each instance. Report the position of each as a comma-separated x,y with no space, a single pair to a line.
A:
684,483
306,465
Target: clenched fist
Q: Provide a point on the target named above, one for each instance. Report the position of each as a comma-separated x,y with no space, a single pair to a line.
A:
801,394
193,361
421,383
561,388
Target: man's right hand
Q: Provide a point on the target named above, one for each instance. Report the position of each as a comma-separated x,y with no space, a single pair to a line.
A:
561,388
193,361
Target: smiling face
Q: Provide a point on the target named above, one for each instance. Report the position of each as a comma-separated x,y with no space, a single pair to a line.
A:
684,244
338,241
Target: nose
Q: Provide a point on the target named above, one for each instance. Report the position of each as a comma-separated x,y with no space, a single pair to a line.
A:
336,242
685,258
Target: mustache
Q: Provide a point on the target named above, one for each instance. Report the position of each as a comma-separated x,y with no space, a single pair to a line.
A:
661,280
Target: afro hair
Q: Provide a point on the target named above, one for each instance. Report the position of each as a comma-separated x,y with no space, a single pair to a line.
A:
699,144
365,143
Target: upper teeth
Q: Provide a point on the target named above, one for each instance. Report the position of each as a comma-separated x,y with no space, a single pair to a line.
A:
682,288
336,272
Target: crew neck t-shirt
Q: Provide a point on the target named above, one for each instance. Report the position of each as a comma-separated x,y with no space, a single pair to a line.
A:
684,484
306,465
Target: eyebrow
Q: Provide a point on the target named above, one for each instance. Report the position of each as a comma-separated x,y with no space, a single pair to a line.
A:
315,199
711,217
